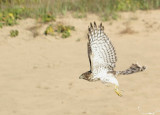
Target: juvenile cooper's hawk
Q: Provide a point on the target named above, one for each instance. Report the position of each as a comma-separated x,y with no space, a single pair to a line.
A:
102,58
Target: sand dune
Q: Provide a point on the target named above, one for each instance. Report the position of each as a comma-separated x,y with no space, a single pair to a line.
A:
39,75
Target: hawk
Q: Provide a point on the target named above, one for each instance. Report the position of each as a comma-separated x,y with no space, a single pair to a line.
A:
102,58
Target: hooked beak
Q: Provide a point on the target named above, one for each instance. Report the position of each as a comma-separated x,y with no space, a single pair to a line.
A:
81,77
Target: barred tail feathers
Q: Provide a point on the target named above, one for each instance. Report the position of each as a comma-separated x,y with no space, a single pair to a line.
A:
134,68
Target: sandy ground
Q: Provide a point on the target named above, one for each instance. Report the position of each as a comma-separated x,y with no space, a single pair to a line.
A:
39,75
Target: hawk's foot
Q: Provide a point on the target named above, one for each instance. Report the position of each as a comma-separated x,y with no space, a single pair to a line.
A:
117,91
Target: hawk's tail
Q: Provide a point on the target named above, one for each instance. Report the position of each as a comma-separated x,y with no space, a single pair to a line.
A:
132,69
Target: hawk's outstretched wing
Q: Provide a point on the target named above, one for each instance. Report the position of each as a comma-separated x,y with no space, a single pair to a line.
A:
102,58
101,52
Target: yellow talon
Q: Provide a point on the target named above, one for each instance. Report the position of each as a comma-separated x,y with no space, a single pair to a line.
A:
117,91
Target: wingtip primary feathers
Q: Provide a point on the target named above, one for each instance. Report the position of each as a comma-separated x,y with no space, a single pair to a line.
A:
95,25
91,25
89,29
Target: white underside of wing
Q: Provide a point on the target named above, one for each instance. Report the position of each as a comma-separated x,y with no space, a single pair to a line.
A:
102,55
102,73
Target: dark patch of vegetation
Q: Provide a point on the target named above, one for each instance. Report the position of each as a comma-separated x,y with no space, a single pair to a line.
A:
46,17
14,33
49,30
65,31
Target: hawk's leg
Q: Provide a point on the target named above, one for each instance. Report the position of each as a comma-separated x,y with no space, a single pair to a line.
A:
117,91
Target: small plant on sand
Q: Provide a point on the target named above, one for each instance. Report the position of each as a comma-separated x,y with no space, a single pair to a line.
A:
64,30
49,30
7,19
10,19
46,17
14,33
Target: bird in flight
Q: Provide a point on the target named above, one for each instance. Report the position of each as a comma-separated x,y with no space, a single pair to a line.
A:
102,59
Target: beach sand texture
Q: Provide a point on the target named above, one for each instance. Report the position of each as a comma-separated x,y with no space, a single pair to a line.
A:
40,75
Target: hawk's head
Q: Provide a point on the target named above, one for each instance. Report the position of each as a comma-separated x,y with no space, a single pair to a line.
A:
82,76
87,76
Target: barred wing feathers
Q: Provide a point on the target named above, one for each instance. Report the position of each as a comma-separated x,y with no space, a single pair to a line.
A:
101,52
